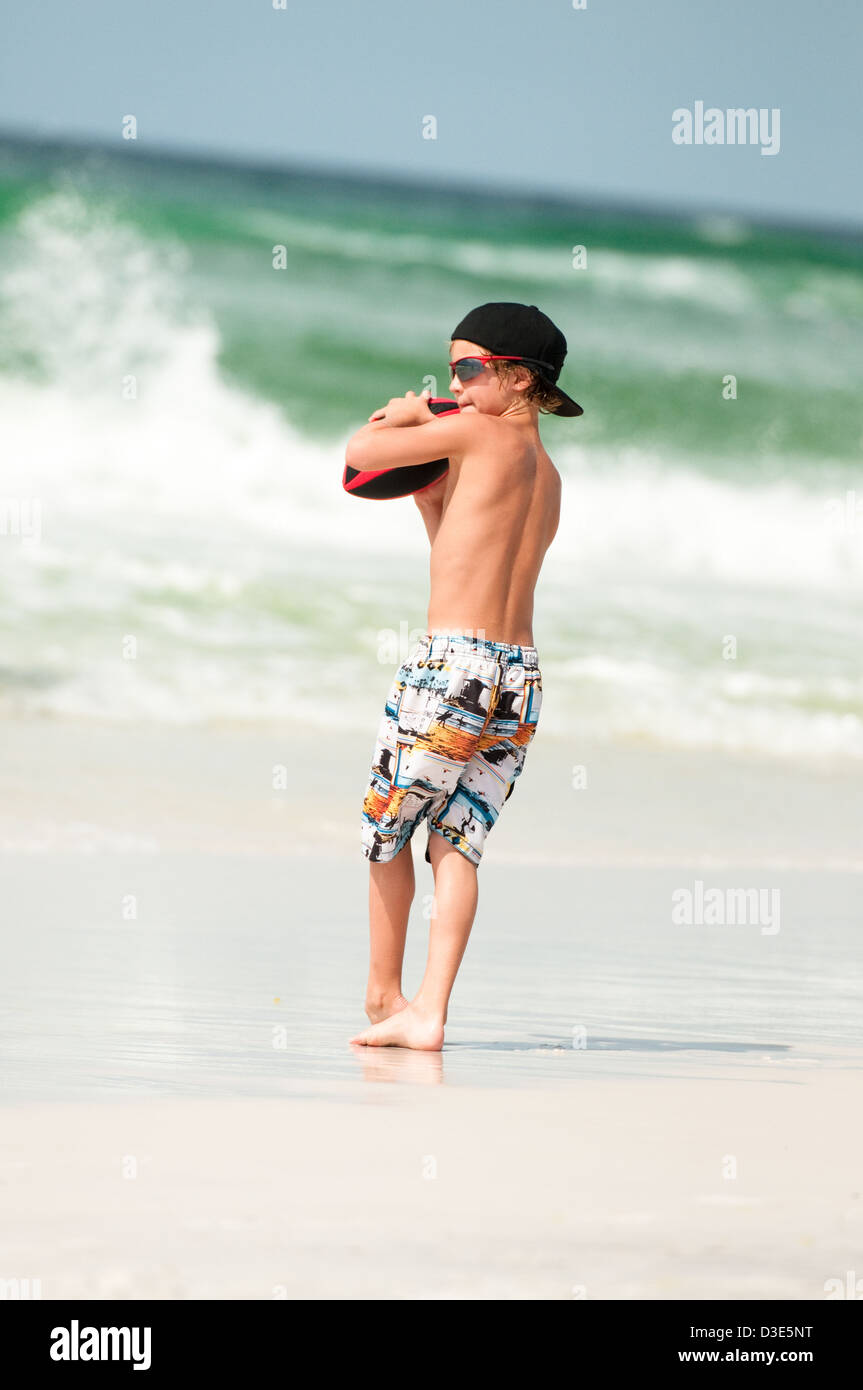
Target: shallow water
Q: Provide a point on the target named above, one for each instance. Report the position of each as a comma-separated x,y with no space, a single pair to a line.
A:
244,977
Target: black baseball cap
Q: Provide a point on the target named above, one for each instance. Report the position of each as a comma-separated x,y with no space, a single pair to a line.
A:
521,330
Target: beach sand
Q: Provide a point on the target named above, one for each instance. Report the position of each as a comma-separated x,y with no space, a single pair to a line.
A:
625,1107
416,1190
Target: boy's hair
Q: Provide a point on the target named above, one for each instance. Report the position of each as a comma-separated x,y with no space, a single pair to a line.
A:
538,393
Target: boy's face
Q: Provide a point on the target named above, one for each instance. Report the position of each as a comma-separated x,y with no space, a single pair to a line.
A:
483,393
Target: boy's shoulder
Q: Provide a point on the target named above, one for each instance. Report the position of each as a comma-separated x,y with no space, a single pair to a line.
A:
479,427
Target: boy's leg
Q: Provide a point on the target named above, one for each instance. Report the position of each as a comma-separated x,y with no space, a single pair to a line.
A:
459,829
456,893
416,763
421,1024
391,892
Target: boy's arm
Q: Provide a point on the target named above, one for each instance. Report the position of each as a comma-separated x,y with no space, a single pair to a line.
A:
389,441
430,505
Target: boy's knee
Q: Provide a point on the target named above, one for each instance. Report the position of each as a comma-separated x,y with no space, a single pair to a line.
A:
440,846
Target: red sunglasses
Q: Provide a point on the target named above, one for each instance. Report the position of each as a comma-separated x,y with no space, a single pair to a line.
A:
466,368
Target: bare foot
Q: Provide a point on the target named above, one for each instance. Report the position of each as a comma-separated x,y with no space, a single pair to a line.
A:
379,1009
407,1028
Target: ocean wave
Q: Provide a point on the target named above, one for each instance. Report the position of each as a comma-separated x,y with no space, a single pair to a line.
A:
696,279
632,514
715,282
184,511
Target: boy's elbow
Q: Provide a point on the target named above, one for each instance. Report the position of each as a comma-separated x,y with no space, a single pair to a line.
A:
354,455
359,451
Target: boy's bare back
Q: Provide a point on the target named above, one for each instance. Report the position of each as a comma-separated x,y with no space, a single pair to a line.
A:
499,514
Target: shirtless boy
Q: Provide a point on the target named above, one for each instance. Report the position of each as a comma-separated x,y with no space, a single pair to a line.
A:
464,706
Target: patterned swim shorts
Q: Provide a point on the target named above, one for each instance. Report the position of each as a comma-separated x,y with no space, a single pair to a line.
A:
452,740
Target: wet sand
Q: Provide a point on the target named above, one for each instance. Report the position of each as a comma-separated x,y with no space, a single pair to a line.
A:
184,961
610,1189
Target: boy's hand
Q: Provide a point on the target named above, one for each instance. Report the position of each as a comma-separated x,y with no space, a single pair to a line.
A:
409,409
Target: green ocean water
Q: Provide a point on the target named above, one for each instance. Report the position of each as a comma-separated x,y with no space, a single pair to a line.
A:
203,511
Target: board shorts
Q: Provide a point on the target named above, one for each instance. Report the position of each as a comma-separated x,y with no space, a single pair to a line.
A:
451,742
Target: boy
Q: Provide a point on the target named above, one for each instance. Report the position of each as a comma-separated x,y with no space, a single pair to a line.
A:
464,706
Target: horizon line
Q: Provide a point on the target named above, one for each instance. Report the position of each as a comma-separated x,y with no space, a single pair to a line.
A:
391,180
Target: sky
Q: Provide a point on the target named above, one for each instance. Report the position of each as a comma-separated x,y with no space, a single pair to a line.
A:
533,95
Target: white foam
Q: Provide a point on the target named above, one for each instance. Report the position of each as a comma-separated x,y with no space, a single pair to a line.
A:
199,519
635,517
697,279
